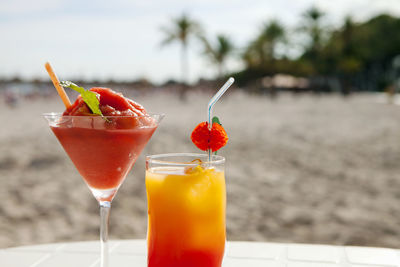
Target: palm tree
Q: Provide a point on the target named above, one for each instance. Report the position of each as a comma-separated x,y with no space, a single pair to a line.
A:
220,52
314,55
347,36
312,26
262,51
272,34
180,30
348,62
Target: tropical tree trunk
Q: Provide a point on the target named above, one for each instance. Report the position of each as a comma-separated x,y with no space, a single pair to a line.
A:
220,71
184,72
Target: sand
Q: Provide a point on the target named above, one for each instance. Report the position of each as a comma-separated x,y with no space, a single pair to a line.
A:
313,169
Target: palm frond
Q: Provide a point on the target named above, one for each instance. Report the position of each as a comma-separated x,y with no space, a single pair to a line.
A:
181,29
169,36
218,52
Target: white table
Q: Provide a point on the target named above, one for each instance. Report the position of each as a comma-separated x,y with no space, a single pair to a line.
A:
132,253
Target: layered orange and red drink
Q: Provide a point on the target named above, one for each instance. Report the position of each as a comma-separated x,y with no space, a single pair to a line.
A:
186,199
186,212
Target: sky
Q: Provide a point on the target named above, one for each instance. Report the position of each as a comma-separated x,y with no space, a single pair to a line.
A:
120,39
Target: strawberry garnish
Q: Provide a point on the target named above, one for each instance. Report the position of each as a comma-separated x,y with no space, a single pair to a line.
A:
205,138
201,136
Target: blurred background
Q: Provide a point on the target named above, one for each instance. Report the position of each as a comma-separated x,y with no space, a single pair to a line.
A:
313,117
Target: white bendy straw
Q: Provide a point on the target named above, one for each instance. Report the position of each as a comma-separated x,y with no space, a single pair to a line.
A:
212,102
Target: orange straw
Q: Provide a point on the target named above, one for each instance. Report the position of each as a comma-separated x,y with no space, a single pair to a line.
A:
57,85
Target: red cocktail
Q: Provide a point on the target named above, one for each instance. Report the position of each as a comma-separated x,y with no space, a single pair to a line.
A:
104,147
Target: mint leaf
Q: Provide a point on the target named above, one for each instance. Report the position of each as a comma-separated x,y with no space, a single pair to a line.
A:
89,97
215,120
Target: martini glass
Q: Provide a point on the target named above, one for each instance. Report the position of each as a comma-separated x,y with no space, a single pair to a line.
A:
103,149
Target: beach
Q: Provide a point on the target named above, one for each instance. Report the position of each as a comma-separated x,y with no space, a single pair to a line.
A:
307,168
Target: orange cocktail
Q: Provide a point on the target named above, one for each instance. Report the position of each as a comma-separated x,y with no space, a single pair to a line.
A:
186,210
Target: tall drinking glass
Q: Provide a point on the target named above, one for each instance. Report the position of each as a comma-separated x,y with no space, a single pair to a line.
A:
103,149
186,198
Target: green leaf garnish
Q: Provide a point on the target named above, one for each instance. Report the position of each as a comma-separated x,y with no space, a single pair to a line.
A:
215,120
89,97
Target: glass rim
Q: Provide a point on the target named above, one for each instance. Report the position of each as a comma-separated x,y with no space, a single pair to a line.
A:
154,159
60,114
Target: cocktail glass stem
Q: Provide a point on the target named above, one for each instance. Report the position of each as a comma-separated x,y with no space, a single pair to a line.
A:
105,207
